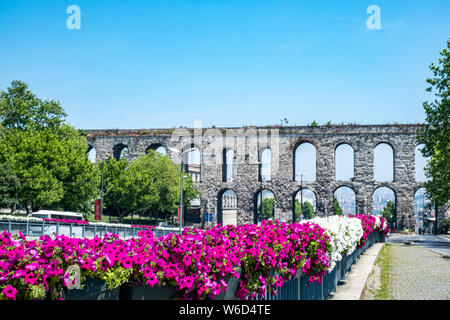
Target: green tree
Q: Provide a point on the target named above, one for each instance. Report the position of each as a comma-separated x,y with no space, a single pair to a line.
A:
80,177
308,210
149,185
115,200
337,208
268,205
388,212
9,185
52,166
48,157
436,132
21,109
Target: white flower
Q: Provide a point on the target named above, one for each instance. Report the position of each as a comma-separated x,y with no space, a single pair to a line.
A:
344,232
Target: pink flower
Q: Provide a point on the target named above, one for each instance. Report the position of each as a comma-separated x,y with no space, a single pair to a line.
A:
152,280
127,263
9,292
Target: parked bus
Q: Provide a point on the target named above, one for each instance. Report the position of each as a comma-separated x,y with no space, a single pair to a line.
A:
50,214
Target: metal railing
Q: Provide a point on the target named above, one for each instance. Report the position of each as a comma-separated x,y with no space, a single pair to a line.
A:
298,288
38,229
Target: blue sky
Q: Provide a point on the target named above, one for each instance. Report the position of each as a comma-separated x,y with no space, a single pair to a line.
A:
164,64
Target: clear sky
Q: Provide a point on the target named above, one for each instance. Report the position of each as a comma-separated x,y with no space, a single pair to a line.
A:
164,64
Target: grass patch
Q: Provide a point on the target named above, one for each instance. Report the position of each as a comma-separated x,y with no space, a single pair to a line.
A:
384,262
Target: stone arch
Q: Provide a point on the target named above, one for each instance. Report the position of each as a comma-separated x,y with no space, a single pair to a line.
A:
379,161
158,147
121,150
311,167
227,204
192,161
419,204
379,201
341,158
419,163
265,193
92,153
308,194
227,164
343,196
265,164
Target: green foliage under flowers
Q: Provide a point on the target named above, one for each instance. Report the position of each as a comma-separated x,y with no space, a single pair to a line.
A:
113,276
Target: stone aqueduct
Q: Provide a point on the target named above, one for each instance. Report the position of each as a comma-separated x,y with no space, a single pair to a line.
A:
248,143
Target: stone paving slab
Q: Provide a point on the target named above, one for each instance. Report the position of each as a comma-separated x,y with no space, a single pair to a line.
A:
419,274
356,279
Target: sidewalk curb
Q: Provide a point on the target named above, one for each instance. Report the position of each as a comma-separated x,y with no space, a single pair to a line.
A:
357,278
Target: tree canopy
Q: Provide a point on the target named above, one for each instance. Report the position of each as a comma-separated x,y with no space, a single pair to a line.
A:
268,205
149,185
9,185
436,132
307,210
388,212
52,166
47,156
337,210
21,109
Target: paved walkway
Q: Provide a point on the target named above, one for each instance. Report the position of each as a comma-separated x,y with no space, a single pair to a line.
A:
419,274
356,279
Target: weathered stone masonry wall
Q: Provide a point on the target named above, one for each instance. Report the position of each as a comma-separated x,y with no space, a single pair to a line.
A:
247,142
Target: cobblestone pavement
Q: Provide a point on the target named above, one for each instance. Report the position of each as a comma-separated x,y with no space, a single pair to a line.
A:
419,274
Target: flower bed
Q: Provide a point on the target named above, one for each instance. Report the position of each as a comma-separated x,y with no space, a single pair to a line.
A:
198,264
67,221
70,221
345,233
370,224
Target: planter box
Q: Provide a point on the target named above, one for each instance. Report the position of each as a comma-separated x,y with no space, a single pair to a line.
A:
343,268
230,293
329,282
131,291
313,291
338,272
349,262
289,291
94,289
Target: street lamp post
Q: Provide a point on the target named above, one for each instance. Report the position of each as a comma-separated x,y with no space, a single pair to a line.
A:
260,177
301,194
181,153
101,196
181,194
